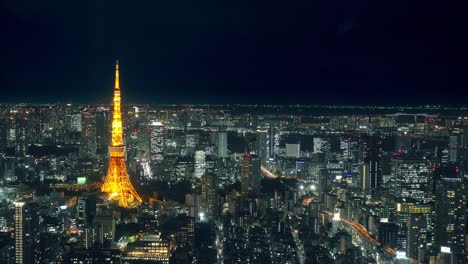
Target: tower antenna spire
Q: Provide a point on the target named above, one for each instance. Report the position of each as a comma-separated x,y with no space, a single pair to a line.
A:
117,81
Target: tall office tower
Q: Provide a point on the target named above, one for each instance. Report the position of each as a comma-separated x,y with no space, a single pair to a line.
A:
88,139
263,146
191,141
221,144
106,228
200,163
117,182
456,146
103,116
157,141
293,150
245,173
89,237
411,177
81,210
85,209
375,173
388,234
194,203
373,157
321,145
273,141
450,212
362,178
349,147
414,222
250,173
76,123
208,188
27,243
419,227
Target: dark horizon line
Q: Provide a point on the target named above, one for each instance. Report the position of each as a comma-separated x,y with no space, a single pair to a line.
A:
426,105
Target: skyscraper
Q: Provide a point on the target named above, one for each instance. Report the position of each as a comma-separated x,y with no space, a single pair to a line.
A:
200,163
89,137
263,146
208,186
221,144
414,221
450,211
157,141
251,172
117,182
410,177
76,123
27,233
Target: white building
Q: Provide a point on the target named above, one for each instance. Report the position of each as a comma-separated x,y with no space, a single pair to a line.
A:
293,150
200,163
321,145
221,144
157,141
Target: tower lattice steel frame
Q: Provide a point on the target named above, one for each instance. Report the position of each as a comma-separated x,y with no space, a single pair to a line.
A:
117,182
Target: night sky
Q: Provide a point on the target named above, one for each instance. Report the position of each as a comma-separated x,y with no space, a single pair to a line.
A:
235,51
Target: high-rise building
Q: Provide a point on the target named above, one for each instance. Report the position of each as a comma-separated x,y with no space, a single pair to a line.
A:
81,210
450,212
349,147
200,163
117,182
388,234
89,237
321,145
221,144
456,146
208,186
263,146
106,228
76,123
414,221
411,178
157,141
273,140
27,242
250,173
89,137
85,209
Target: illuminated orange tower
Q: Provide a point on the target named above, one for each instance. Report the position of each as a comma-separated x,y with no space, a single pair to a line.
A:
117,183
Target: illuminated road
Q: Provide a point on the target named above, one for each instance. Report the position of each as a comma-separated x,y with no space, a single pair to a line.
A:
363,231
270,175
306,201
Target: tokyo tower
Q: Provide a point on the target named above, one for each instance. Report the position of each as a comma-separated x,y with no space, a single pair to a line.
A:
117,183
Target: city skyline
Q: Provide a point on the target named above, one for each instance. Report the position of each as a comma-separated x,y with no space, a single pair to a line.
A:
236,132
